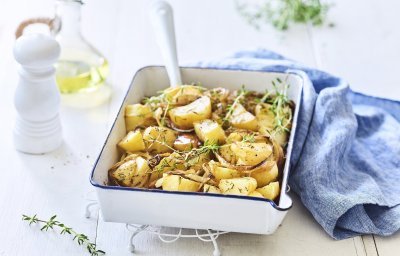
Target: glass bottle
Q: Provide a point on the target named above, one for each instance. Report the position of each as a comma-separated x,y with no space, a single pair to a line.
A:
81,71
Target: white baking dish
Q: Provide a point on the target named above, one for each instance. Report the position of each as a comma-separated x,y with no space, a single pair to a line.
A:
183,209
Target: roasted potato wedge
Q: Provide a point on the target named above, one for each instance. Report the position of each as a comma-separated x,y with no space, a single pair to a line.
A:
256,194
265,117
171,163
226,152
138,115
159,139
183,95
234,137
132,142
186,142
184,117
211,189
280,136
210,131
196,161
217,95
132,173
178,183
251,153
270,191
243,119
238,186
220,172
267,174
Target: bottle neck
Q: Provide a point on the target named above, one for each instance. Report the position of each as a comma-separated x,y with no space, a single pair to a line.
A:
69,13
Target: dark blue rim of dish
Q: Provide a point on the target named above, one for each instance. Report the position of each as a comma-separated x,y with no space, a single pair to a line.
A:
95,184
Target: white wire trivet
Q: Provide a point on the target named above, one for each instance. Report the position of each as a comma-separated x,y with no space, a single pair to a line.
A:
207,235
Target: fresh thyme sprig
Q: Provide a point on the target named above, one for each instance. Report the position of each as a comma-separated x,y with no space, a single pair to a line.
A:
279,102
242,93
208,146
82,239
249,138
281,13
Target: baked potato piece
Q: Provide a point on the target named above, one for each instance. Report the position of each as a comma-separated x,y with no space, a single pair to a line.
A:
238,186
122,175
217,95
183,95
132,142
270,191
234,137
265,117
240,135
211,189
268,174
184,117
251,153
226,153
280,136
267,122
142,173
159,139
170,163
256,194
134,172
209,130
178,183
220,172
242,119
186,142
138,115
196,161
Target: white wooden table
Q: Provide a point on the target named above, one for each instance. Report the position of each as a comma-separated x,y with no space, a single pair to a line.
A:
363,47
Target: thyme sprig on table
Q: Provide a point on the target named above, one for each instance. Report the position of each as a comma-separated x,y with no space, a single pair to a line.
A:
81,239
281,13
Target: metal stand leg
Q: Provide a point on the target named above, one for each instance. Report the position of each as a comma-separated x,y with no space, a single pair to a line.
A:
213,238
210,236
87,209
135,233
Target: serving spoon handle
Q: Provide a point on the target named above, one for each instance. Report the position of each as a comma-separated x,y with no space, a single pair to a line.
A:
162,19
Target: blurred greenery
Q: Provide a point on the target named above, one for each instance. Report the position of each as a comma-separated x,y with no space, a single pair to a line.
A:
282,13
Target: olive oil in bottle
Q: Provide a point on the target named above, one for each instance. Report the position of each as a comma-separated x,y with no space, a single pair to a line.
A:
78,76
81,71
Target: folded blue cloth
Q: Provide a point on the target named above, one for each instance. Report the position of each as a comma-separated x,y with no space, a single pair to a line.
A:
346,157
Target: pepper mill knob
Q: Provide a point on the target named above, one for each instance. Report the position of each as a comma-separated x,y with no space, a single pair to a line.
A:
37,100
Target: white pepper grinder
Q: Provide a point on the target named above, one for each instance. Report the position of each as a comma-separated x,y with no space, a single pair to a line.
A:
37,100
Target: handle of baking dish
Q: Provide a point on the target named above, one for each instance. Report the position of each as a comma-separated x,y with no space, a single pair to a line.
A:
162,19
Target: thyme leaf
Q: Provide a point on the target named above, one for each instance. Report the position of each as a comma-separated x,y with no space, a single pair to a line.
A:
52,223
249,138
242,93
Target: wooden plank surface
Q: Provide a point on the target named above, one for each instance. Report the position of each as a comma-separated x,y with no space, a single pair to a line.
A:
388,246
363,48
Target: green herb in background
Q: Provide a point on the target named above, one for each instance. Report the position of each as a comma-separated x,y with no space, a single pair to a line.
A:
281,13
81,239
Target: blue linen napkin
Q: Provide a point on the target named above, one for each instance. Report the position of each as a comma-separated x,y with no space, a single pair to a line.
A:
345,162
